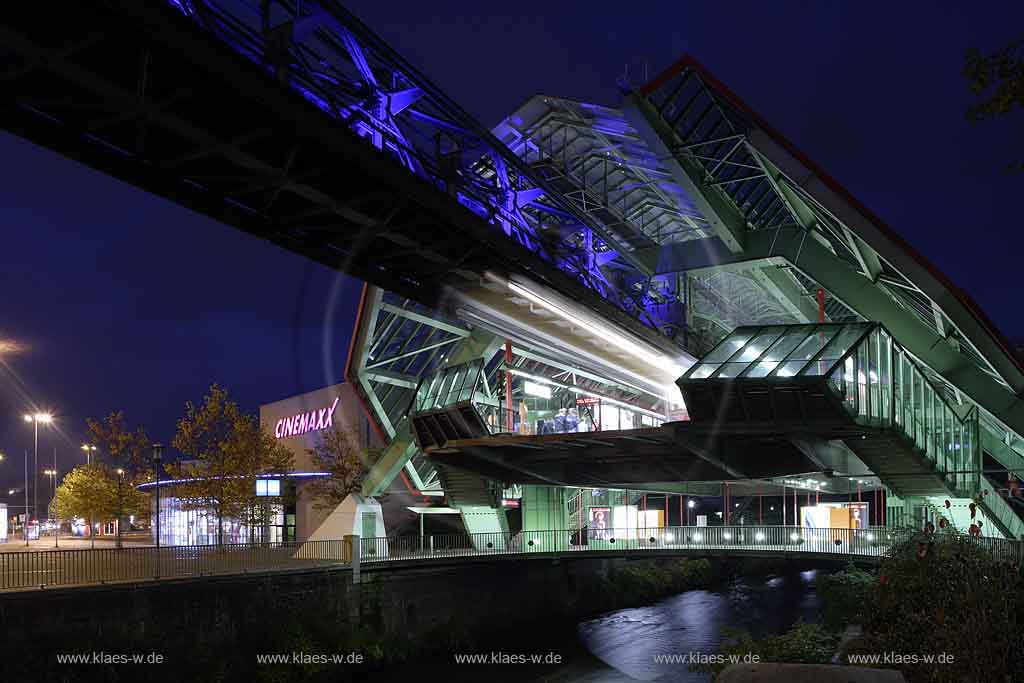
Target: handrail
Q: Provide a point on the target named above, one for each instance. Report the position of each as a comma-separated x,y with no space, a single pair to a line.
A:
27,570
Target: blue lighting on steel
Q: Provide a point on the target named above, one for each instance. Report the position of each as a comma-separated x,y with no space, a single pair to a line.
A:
338,65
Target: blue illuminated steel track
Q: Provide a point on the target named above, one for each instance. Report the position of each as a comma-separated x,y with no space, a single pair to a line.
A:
293,121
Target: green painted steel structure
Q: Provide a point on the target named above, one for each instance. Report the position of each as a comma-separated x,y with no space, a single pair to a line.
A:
736,224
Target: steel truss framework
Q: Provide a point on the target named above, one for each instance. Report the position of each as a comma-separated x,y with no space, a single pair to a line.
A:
398,341
324,53
771,206
600,162
293,121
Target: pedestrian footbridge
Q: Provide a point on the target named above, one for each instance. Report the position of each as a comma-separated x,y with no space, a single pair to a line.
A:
42,570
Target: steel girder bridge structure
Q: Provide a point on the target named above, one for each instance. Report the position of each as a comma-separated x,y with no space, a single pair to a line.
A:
594,250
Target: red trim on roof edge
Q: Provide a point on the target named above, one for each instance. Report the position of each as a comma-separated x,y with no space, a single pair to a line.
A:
688,61
362,404
348,365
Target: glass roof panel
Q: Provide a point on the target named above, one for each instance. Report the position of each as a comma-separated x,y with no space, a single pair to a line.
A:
806,350
839,345
731,370
762,368
703,371
730,345
780,351
789,341
750,352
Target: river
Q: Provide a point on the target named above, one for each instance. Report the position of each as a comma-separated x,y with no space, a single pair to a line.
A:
626,644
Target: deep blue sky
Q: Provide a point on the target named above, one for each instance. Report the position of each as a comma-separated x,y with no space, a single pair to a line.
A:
122,300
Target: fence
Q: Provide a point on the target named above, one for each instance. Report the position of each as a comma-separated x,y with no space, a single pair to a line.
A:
27,570
30,569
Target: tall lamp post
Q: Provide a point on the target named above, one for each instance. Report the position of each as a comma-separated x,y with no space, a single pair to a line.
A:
24,525
35,419
158,454
690,504
90,452
120,504
158,468
52,474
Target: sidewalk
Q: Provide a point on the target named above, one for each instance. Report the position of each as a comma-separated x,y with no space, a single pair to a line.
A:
17,545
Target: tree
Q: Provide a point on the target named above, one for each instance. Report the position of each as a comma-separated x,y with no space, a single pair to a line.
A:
126,450
338,454
997,81
229,451
123,447
98,492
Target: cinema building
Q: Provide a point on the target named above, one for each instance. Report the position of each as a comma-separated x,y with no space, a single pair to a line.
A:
298,423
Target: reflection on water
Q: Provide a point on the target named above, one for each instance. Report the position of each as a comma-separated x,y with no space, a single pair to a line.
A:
627,641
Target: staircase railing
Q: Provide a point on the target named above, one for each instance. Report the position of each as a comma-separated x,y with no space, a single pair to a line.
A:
882,386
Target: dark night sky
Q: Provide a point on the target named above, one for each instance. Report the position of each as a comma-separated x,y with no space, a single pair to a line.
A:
122,300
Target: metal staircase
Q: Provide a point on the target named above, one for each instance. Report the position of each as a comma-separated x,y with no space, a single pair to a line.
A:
851,382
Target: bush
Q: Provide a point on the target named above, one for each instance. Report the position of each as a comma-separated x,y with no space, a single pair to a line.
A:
947,594
803,643
844,596
644,581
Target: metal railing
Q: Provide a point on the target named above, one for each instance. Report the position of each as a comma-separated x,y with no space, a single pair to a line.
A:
869,543
32,570
853,542
40,569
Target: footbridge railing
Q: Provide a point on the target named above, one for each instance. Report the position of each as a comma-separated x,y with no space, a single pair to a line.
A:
34,570
872,543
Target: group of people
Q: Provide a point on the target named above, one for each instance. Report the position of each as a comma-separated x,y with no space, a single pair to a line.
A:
565,420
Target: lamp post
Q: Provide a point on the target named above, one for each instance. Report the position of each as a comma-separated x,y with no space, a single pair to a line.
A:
35,419
120,504
158,454
52,474
90,451
24,525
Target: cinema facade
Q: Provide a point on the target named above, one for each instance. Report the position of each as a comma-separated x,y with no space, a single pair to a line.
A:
298,423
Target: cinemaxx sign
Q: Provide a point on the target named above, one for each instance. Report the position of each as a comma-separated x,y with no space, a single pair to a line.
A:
303,423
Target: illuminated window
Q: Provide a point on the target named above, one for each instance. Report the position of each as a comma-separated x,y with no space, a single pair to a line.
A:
268,487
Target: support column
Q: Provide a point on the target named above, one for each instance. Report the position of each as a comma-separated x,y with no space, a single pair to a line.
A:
509,408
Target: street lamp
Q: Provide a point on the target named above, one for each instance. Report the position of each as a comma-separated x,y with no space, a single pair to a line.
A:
120,504
52,474
158,454
690,504
36,419
89,451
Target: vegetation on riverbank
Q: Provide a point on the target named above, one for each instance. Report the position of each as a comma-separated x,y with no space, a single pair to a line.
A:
844,596
947,594
949,606
801,644
640,582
